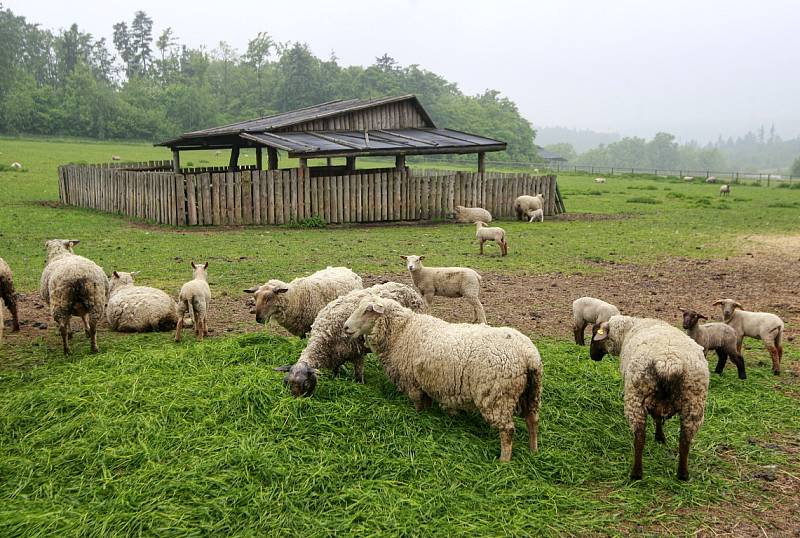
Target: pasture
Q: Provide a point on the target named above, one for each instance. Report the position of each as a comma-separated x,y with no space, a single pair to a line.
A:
152,437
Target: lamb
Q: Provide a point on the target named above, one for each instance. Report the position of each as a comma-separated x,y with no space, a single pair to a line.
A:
535,214
115,158
471,214
588,310
762,325
664,371
711,179
134,308
524,203
446,282
8,295
717,336
599,180
16,166
73,286
295,305
724,190
688,178
485,233
195,297
328,346
494,370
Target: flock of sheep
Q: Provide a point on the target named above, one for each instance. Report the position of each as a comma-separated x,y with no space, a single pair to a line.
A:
496,371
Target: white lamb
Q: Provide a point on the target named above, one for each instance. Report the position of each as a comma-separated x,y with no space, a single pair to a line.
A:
761,325
535,214
134,308
471,214
195,298
525,203
599,180
295,305
16,166
664,372
589,311
724,190
494,370
446,282
485,233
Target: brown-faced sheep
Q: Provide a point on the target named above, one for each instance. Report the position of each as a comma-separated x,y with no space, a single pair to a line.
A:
717,336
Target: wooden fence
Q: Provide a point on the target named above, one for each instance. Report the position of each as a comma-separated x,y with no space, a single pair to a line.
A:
283,196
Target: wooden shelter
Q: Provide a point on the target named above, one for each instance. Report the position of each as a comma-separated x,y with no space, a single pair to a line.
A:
391,126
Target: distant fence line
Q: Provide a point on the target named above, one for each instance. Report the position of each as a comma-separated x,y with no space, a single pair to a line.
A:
283,196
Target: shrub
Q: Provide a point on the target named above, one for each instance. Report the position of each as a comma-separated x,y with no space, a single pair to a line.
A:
783,204
676,195
789,186
314,221
642,200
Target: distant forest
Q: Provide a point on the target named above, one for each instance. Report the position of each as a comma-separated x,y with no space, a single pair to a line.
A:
153,88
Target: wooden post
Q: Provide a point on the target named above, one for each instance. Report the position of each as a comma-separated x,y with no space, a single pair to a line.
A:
481,162
328,161
259,159
176,161
303,163
233,165
400,162
272,158
350,164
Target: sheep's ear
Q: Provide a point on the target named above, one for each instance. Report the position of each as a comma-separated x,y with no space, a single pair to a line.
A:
376,307
282,289
251,290
134,273
682,309
601,333
404,257
284,368
701,316
738,305
194,266
718,301
205,266
115,274
421,258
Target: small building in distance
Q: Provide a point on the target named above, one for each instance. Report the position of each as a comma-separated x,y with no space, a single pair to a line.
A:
549,157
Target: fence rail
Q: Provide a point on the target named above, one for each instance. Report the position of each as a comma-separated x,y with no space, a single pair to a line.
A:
283,196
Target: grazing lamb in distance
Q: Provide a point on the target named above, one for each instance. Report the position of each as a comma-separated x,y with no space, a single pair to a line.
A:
295,305
525,203
588,310
664,372
536,214
115,158
16,166
446,282
761,325
496,234
717,336
195,297
494,370
724,190
471,214
134,308
73,286
8,295
711,179
599,180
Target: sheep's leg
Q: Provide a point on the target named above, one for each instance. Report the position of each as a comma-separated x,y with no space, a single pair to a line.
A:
358,369
638,448
532,420
63,327
504,248
506,442
85,319
722,358
91,332
421,400
178,329
480,314
776,359
683,450
12,307
577,331
659,421
480,242
199,330
738,360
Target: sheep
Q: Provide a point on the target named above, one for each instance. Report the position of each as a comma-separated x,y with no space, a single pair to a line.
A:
711,179
717,336
446,282
16,166
195,297
664,371
134,308
724,190
494,370
295,305
523,203
115,158
328,347
485,233
471,214
588,310
72,285
535,214
8,295
688,178
599,180
762,325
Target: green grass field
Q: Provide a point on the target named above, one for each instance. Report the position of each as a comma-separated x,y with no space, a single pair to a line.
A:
153,438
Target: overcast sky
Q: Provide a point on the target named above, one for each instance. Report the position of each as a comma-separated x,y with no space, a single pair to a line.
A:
696,68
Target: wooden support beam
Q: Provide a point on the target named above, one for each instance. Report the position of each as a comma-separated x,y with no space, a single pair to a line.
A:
350,164
233,165
272,158
259,159
400,162
328,162
303,163
176,161
481,162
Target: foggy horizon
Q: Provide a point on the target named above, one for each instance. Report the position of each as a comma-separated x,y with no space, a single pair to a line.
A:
694,70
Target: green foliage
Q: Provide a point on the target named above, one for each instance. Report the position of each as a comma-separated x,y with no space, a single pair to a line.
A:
660,152
789,185
795,170
642,200
314,221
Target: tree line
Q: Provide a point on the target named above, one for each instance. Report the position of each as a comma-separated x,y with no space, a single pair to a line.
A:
153,88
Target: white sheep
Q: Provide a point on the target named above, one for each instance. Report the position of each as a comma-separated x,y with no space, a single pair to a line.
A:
16,166
688,178
195,298
664,371
134,308
328,346
525,203
295,305
73,286
711,179
535,214
116,158
471,214
485,233
446,282
761,325
717,336
8,295
724,190
589,311
599,180
494,370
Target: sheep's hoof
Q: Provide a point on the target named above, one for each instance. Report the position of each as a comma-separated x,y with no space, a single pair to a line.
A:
636,475
742,376
776,372
683,476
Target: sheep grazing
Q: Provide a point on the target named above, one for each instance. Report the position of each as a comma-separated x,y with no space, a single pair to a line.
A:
525,203
717,336
73,286
328,346
195,297
485,233
599,180
134,308
535,214
762,325
724,190
711,179
8,295
16,166
688,178
116,158
664,372
446,282
471,214
494,370
588,310
295,305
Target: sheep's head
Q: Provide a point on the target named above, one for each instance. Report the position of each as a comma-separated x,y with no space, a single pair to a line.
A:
200,272
119,278
728,307
301,378
60,246
363,318
413,262
480,224
268,299
597,349
690,317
